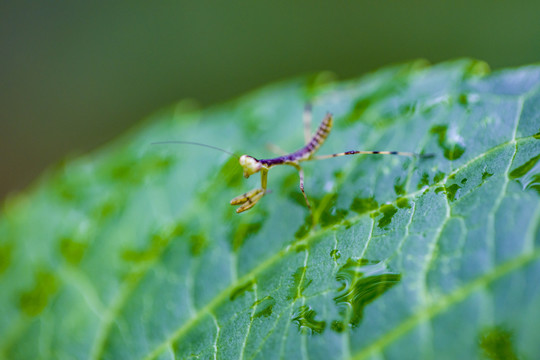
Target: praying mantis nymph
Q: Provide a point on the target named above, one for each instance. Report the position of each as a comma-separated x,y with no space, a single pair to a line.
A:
252,165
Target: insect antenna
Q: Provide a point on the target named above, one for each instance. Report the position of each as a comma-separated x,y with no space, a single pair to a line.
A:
195,143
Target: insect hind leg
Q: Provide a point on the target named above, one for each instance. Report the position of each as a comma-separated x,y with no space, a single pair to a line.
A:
308,115
276,149
301,175
355,152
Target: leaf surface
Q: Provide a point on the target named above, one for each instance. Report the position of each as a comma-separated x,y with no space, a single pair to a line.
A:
134,251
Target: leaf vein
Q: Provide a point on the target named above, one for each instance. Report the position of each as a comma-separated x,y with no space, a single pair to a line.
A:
442,304
310,237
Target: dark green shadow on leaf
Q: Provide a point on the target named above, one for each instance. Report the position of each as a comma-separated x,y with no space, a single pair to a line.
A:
363,205
403,203
498,344
33,301
451,150
6,251
158,242
243,231
264,307
72,251
242,288
299,284
387,211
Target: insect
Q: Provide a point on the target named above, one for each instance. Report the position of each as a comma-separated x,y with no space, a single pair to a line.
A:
251,165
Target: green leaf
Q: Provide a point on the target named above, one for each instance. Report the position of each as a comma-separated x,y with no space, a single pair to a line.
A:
134,252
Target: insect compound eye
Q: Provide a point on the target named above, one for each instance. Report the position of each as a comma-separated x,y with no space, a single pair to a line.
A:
243,160
249,164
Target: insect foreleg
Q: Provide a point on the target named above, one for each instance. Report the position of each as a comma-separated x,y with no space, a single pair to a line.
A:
249,199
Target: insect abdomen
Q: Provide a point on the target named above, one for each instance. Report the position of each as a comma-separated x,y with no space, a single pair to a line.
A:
307,151
320,136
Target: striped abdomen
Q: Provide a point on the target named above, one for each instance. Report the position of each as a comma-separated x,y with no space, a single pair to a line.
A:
318,139
307,151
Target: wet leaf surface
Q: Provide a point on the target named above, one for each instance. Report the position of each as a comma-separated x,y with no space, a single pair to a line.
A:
134,251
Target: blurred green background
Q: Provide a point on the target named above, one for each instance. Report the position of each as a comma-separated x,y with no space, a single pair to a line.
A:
74,75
